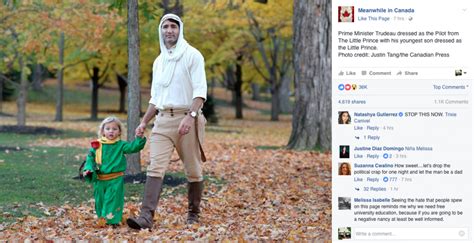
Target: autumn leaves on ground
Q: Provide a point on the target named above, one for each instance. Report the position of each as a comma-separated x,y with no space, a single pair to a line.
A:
256,189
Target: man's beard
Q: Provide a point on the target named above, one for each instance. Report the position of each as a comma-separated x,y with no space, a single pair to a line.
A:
171,42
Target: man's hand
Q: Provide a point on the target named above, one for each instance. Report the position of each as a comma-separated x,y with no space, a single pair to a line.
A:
185,125
140,130
188,121
149,114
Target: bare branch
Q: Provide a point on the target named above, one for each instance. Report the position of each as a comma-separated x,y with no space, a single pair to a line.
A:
15,13
88,72
10,65
258,70
286,61
257,33
121,76
79,62
2,76
105,70
104,80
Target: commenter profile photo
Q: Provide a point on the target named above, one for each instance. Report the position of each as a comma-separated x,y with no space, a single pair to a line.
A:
344,151
344,169
343,233
344,203
344,117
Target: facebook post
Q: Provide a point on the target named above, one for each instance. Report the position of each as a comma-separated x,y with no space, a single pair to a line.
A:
402,121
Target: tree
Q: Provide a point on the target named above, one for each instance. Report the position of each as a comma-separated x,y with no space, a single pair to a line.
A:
238,87
38,76
22,95
284,94
86,42
228,46
311,126
122,85
276,60
177,8
19,46
60,88
233,81
35,27
1,95
95,78
133,165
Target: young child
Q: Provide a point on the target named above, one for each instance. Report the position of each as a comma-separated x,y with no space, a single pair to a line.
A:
105,166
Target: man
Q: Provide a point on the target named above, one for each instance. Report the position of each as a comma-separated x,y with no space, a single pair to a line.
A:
178,91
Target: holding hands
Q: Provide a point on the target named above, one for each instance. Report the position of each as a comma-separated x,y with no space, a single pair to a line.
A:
140,130
86,173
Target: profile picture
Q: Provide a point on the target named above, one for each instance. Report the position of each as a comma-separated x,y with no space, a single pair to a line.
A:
344,203
345,14
458,72
344,168
344,152
344,117
343,233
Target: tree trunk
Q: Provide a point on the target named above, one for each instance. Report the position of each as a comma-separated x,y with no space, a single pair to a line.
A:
1,95
122,84
38,71
312,65
238,90
234,97
284,94
255,91
22,94
60,88
133,165
213,85
275,102
229,82
95,93
271,61
177,8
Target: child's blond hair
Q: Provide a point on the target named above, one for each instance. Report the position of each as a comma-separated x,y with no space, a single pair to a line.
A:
109,120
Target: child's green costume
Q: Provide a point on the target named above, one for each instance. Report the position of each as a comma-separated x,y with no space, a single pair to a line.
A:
107,162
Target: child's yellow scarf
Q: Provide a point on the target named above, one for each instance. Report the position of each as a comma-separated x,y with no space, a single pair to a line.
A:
98,151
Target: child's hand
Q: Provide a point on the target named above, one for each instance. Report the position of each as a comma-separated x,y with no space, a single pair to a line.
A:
87,172
139,133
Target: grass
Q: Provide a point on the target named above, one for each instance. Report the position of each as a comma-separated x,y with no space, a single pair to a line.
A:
217,129
32,176
35,174
15,139
41,174
46,175
78,98
222,102
269,147
269,113
75,96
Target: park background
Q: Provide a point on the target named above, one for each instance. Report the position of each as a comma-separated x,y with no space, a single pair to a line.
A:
65,65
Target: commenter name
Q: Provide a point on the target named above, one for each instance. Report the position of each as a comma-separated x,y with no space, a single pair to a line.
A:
378,114
376,165
391,148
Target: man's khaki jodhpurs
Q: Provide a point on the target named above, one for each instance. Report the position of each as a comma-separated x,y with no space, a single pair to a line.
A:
165,137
